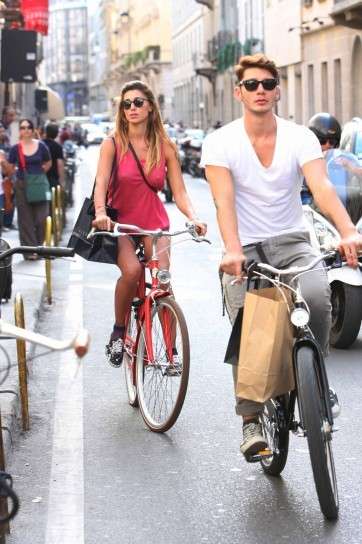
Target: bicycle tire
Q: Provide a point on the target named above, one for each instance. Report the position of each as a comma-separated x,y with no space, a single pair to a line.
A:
319,442
161,408
129,360
275,429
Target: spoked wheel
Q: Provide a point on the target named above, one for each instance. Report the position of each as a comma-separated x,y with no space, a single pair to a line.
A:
162,381
318,431
275,430
129,359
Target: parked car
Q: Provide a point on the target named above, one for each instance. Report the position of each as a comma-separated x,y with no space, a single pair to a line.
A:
93,134
351,138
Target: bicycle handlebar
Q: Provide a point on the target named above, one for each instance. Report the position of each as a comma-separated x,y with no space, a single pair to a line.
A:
119,228
80,343
294,270
42,251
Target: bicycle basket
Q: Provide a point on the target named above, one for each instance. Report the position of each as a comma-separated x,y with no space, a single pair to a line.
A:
6,276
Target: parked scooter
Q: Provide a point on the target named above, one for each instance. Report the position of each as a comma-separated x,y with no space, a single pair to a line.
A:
345,282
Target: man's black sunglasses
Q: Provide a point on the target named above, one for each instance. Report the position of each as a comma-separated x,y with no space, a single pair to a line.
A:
138,102
252,84
324,139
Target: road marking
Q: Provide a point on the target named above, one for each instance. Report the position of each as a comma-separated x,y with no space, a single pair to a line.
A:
65,523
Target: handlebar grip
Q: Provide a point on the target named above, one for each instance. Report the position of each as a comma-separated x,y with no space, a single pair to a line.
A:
81,343
45,251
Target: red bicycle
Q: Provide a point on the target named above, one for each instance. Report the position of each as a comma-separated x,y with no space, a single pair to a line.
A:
157,348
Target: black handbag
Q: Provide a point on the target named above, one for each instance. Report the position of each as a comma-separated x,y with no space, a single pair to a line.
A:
99,249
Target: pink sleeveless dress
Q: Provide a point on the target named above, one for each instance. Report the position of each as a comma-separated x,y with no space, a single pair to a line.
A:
135,202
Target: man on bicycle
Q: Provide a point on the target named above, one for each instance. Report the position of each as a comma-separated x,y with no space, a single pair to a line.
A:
255,166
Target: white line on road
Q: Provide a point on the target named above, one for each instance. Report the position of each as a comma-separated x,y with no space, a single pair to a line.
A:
65,523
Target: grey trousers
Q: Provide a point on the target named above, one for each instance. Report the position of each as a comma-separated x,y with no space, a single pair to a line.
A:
292,249
31,217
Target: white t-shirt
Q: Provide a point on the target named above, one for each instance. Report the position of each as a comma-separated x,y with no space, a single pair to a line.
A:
267,200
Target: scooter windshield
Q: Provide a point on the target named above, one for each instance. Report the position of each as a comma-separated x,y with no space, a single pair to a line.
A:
345,173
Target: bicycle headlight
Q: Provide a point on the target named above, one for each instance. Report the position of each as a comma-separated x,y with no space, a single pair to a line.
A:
163,276
299,317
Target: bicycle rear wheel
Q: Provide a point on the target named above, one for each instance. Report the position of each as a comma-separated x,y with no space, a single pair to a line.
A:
129,359
275,429
319,435
162,382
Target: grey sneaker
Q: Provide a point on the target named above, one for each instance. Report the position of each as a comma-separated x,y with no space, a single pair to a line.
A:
253,439
114,352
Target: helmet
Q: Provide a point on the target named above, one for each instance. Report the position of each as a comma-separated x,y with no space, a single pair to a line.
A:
325,127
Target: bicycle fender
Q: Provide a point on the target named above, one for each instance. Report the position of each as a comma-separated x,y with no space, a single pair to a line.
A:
321,370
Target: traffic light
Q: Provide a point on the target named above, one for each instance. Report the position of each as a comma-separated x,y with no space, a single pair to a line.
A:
41,100
18,56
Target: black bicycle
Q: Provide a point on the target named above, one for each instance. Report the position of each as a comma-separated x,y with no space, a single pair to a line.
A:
312,395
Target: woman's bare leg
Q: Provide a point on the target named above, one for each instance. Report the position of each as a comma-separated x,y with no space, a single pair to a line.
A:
126,286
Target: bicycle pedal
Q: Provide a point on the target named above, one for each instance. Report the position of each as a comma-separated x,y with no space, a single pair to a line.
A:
263,454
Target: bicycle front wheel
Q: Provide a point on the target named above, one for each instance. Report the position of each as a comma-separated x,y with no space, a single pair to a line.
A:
162,379
129,359
319,434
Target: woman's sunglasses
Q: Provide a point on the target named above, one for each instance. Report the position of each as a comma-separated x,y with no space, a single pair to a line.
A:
138,102
252,84
25,127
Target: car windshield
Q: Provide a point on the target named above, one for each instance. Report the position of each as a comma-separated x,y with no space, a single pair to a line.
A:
195,133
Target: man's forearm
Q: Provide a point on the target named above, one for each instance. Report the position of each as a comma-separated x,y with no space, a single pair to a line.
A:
228,226
330,205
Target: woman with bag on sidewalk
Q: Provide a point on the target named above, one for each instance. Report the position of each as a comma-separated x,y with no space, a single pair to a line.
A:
131,170
32,192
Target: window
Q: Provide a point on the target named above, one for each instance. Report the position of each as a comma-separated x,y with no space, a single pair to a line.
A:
338,88
324,85
311,104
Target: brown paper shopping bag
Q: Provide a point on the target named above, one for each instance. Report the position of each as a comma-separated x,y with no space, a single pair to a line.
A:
265,359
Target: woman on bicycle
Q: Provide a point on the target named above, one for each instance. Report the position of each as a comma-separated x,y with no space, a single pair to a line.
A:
131,188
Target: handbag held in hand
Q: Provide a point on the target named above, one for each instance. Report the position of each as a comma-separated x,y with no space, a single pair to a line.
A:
99,249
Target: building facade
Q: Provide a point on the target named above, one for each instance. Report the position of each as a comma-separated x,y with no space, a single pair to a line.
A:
321,69
140,48
66,54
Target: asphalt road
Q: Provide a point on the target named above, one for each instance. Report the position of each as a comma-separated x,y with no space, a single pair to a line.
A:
89,471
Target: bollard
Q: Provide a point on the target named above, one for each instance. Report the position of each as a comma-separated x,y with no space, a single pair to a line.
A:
20,347
55,217
48,264
60,207
4,527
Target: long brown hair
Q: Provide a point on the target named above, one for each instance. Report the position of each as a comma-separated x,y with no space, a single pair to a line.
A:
155,132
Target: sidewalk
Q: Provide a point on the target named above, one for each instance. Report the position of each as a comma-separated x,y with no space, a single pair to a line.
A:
29,280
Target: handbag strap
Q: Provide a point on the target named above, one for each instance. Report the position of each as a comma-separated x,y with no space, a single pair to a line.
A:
112,172
140,168
22,162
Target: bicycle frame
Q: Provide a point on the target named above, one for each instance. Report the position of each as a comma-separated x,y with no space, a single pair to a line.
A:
144,308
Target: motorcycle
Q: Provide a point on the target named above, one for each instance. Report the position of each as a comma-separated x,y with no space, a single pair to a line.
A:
345,282
70,167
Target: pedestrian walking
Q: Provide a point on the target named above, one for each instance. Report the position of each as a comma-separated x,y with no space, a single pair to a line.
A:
55,173
141,151
32,159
